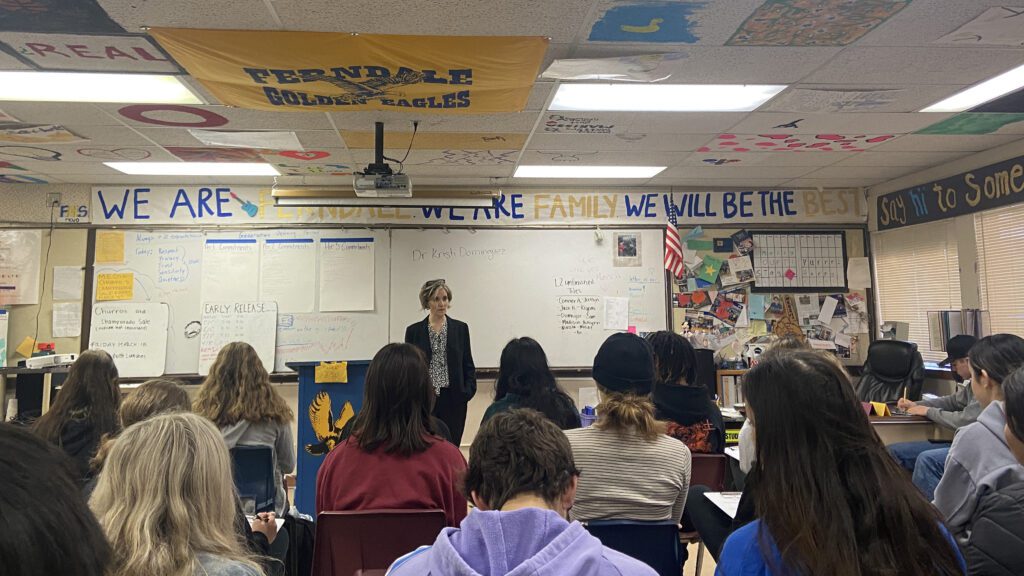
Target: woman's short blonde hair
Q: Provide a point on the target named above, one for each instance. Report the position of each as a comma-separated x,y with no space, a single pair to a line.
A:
429,288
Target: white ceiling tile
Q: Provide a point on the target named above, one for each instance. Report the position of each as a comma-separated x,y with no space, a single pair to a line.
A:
731,159
402,122
863,123
873,174
58,113
556,20
918,159
581,157
944,143
734,183
924,21
828,183
729,64
882,99
8,62
109,135
932,65
629,141
241,15
561,121
737,171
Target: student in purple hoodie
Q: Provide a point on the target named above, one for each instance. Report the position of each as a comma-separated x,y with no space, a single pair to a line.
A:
522,480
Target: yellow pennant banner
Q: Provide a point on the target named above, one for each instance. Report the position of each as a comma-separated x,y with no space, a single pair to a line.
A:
330,71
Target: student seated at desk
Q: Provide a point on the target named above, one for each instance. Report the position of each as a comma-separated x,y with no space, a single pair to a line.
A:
829,497
691,415
237,396
47,526
522,479
926,460
996,542
85,409
393,459
629,469
980,460
166,501
525,381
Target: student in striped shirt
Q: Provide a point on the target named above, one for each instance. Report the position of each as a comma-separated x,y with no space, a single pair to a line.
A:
629,468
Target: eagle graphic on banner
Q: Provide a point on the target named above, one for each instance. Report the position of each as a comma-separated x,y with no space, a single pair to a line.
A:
374,88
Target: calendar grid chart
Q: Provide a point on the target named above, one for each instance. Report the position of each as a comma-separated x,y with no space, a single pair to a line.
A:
806,261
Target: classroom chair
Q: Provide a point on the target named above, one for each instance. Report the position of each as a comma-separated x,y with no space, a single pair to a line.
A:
253,470
893,368
708,470
367,542
653,543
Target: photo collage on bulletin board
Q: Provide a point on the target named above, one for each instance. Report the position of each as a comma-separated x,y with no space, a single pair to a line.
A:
741,288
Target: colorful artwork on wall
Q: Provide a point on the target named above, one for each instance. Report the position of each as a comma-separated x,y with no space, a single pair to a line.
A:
668,22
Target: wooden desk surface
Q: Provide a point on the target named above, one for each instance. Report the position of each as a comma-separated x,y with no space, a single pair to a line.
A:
902,420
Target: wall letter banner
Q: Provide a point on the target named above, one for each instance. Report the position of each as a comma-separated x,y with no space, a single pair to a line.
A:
329,71
192,205
989,187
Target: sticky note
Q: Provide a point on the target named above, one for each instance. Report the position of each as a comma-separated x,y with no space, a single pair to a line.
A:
26,346
880,409
758,328
631,329
119,286
110,247
331,372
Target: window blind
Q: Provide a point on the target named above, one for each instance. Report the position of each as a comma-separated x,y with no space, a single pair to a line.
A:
916,271
999,233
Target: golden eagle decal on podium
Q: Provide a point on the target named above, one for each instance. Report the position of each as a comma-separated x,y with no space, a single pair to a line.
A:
325,427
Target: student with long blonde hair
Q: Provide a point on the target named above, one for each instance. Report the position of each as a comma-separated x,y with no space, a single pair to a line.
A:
238,398
629,468
166,502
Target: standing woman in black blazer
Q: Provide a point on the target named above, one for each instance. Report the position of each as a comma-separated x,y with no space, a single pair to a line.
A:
445,341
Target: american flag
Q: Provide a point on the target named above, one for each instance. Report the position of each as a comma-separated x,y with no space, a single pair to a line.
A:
673,245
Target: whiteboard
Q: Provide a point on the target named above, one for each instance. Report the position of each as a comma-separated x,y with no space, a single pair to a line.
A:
238,321
167,267
133,333
546,284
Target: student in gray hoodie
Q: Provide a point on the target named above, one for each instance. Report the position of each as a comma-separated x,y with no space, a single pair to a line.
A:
238,398
925,459
979,460
522,479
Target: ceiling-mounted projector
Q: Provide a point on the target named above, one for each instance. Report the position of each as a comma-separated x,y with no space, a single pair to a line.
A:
382,185
378,180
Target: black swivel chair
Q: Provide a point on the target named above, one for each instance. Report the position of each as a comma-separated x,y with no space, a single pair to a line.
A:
892,367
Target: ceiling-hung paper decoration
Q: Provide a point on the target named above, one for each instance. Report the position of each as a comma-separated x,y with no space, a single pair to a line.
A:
813,22
136,54
200,154
640,68
337,72
648,21
973,123
75,16
269,140
356,140
38,134
786,142
821,100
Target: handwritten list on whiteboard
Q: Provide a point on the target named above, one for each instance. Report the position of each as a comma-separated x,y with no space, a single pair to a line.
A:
288,274
346,274
133,333
237,321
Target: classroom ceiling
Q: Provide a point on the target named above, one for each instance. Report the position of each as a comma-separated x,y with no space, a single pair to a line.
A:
854,70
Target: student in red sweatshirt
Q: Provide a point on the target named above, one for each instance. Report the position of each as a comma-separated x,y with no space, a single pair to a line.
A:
393,459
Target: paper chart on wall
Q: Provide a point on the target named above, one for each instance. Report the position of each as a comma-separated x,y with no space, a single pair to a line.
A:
67,282
19,266
288,274
134,334
346,274
238,321
67,319
4,319
234,258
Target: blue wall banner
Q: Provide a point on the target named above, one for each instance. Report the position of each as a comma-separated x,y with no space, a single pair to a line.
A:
988,187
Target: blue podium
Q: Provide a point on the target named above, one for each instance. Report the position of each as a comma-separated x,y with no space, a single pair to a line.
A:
324,408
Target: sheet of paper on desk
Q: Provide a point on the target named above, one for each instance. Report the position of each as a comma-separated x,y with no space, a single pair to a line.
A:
727,502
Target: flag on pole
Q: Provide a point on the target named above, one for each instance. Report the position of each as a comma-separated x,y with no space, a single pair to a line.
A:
673,245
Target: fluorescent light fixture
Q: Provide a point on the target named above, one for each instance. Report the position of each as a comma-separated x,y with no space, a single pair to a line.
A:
89,87
194,168
663,97
979,94
587,171
314,196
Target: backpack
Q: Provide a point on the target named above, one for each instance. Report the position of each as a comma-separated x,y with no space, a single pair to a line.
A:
301,532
